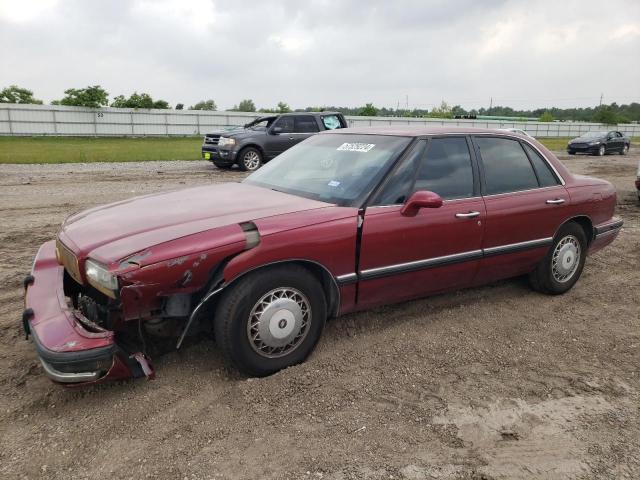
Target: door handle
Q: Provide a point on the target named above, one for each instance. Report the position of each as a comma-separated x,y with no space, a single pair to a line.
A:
467,215
556,201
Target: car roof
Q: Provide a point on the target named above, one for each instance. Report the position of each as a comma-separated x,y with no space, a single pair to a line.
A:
308,113
418,131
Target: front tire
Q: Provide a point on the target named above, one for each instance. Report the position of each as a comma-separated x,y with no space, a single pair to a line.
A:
562,266
601,151
624,150
249,159
270,319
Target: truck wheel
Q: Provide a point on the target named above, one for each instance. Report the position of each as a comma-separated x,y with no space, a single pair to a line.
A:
270,319
249,159
624,150
562,266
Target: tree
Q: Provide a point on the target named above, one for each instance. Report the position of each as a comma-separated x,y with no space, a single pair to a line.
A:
93,97
204,105
245,106
368,110
15,94
179,106
606,114
443,111
139,100
547,116
283,107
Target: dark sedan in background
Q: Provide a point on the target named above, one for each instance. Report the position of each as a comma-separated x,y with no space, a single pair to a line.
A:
600,143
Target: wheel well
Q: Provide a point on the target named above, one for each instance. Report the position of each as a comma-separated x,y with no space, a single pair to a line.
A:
327,281
252,145
586,224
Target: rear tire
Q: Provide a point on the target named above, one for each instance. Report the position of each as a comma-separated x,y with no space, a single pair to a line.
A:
249,159
270,319
562,265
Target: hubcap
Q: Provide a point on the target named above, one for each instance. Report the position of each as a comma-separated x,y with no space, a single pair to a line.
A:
601,152
279,322
566,258
251,160
625,149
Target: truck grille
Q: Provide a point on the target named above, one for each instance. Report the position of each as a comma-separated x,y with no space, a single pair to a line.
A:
69,261
211,139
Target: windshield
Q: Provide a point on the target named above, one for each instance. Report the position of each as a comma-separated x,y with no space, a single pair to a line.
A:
593,135
261,124
340,169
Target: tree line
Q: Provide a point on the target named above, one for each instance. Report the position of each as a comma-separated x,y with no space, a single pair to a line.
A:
95,97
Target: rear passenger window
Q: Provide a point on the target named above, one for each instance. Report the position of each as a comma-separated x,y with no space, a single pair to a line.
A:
305,124
331,122
506,167
446,170
546,177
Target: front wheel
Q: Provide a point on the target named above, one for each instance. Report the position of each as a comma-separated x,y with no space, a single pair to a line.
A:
249,159
624,150
601,151
562,266
270,319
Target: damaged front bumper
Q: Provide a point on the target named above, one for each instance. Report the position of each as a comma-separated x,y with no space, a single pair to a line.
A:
70,353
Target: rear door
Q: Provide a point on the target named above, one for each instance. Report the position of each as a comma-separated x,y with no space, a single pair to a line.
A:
303,127
438,249
525,201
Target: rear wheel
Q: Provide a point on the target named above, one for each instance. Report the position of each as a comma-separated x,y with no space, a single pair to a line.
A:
562,266
270,319
249,159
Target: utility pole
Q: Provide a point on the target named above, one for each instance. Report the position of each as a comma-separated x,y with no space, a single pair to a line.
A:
601,95
490,105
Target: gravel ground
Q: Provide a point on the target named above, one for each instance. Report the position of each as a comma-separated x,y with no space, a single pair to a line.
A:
487,383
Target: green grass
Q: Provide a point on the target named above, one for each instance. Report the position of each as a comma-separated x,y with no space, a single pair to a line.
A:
87,149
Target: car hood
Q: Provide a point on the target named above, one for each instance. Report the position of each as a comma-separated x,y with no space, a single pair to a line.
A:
113,232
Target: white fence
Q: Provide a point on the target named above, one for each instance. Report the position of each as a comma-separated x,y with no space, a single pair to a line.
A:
39,120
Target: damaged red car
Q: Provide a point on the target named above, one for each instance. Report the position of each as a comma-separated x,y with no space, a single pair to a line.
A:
344,221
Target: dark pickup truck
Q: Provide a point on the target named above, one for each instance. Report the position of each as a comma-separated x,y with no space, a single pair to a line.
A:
266,137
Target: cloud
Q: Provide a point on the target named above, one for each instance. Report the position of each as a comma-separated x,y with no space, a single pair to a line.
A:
327,52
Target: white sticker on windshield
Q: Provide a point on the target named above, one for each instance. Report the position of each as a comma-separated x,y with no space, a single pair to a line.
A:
333,183
356,147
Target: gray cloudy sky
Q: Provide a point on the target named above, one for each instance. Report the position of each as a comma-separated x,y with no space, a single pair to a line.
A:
323,52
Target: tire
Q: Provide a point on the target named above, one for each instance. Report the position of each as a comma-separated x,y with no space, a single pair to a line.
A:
601,151
282,295
249,159
562,265
624,150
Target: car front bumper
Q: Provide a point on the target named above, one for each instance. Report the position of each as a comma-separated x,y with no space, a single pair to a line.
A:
219,156
71,353
591,149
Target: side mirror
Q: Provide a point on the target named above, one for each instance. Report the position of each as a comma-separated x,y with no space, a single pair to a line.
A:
276,130
421,199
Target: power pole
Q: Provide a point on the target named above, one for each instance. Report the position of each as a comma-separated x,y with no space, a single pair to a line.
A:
601,95
490,105
407,101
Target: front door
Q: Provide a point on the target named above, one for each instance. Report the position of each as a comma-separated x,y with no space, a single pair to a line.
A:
438,249
280,136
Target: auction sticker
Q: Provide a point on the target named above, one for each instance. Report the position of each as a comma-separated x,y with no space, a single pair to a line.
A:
356,147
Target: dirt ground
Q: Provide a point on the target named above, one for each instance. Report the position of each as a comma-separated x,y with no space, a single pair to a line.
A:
496,382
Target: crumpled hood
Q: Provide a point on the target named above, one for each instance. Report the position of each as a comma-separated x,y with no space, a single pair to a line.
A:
120,229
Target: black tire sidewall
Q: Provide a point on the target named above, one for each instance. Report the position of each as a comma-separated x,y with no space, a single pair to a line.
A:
232,314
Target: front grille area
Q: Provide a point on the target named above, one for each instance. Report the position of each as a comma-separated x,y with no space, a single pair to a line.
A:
69,261
211,139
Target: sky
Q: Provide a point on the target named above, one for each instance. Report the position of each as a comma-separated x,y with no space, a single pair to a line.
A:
524,54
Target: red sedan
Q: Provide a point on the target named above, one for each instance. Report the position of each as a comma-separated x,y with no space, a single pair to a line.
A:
345,221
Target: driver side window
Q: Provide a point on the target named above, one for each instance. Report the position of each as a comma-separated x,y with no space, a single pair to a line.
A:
286,124
398,186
